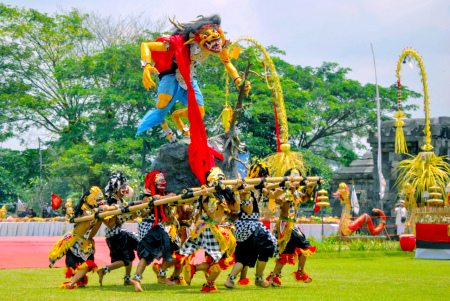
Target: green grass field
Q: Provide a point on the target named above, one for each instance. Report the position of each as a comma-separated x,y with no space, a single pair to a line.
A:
357,276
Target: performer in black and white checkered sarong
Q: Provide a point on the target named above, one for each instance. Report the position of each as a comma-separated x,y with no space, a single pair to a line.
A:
292,243
218,241
154,241
121,243
254,240
172,226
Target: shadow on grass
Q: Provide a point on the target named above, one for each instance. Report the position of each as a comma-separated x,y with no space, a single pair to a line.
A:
361,254
178,289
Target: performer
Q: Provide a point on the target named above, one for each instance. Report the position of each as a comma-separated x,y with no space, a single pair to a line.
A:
172,227
218,242
121,243
154,241
195,42
292,243
78,245
254,240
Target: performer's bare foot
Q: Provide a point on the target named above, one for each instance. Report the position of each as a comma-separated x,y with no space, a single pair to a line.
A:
101,273
229,284
308,280
137,285
262,283
164,280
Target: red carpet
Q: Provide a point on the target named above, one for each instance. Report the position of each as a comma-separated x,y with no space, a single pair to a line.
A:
32,252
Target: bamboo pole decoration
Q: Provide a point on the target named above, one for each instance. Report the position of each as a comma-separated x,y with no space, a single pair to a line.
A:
284,158
192,196
412,54
275,79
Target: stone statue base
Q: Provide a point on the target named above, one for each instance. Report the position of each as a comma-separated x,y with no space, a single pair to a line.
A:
173,158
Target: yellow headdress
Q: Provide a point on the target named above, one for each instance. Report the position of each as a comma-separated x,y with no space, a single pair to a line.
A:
214,175
258,169
95,194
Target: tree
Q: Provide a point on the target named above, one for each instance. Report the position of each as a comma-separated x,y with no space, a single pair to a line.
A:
31,92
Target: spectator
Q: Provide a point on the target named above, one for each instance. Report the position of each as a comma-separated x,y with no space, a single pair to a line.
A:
47,211
31,213
400,217
23,213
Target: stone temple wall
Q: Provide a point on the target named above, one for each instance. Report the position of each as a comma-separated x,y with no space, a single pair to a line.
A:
366,176
413,129
359,173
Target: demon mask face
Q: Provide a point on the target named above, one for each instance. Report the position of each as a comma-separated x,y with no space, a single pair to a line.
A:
209,37
160,182
126,190
214,176
93,198
95,195
205,31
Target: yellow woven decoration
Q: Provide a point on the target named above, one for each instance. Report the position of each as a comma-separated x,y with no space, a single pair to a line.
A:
424,171
226,117
409,52
273,75
400,143
280,162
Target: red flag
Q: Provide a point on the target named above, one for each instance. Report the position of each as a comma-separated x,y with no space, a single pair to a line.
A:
200,156
316,208
56,201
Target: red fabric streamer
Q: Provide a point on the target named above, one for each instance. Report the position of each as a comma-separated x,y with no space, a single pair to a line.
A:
200,156
56,201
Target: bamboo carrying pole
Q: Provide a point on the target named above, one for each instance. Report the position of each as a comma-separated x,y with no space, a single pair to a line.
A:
271,180
191,196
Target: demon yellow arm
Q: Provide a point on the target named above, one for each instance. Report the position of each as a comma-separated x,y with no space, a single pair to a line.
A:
146,59
232,71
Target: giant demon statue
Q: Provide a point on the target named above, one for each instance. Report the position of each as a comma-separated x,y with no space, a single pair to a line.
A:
195,42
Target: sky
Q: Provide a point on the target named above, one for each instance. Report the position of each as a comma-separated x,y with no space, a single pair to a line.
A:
313,32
